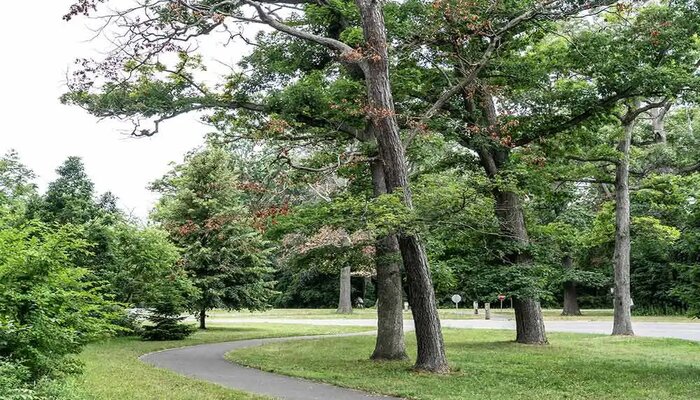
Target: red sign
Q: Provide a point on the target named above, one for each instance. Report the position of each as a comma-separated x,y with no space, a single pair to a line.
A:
501,297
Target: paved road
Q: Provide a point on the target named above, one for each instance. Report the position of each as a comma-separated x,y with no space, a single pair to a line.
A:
207,362
679,330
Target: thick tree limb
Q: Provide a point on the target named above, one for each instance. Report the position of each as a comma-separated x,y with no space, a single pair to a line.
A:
345,51
633,113
690,168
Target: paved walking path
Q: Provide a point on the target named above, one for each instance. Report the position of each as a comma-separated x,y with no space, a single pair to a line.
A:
207,362
678,330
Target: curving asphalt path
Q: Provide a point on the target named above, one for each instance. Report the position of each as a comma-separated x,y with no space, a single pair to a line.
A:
207,362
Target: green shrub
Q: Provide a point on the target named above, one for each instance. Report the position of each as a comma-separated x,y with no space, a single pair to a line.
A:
166,327
169,299
49,308
13,381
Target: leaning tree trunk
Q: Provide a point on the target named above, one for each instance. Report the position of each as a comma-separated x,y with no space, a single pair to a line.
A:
431,349
345,299
570,297
529,323
390,343
380,110
622,322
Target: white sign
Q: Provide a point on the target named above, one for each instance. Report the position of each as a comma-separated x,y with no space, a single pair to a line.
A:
456,299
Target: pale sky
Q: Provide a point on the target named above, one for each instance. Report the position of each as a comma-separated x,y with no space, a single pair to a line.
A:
38,48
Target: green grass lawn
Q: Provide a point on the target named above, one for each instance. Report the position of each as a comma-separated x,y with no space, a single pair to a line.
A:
488,365
113,372
447,313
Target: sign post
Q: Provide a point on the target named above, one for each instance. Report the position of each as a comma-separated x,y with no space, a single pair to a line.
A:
476,308
456,299
487,310
501,297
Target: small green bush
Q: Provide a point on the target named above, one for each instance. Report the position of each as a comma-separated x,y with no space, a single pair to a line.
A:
166,327
13,378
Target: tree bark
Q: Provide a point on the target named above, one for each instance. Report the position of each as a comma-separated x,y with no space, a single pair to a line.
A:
203,318
529,323
380,110
431,349
658,125
622,322
345,299
570,297
390,344
528,314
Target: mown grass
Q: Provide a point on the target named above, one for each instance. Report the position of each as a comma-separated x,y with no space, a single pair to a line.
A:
114,372
446,313
488,365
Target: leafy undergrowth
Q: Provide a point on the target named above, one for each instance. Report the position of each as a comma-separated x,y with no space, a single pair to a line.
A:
488,365
112,369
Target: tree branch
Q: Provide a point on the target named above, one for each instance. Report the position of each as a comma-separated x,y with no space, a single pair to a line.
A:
282,156
585,180
541,9
606,103
632,114
690,168
593,159
346,52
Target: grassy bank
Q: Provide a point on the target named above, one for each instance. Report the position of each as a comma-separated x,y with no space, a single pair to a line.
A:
487,365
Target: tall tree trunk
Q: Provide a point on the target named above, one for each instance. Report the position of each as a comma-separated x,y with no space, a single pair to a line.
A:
345,298
529,323
203,318
390,344
622,323
380,110
570,297
431,348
